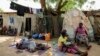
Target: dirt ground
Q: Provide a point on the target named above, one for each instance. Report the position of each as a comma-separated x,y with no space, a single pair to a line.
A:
6,50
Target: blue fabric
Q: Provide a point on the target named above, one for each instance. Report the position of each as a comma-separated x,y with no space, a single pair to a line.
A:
11,20
25,42
40,36
32,45
35,35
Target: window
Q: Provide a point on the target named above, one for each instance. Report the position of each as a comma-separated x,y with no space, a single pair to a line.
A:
11,20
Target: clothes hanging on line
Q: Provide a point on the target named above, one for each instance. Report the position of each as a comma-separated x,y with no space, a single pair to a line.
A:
22,9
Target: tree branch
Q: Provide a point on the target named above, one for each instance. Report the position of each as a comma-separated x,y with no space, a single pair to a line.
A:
59,4
43,4
63,4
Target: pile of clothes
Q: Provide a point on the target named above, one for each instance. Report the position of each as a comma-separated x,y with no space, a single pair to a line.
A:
30,45
38,36
42,36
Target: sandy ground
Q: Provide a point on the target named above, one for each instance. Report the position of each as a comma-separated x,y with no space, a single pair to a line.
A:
5,50
4,38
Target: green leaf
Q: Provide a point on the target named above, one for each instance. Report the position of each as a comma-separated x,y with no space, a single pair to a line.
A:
66,5
81,2
72,4
69,5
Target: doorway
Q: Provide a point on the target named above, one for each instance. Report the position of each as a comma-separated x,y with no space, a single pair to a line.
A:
28,24
1,24
1,21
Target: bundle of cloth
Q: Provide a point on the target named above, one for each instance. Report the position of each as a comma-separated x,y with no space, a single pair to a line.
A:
30,45
42,36
38,36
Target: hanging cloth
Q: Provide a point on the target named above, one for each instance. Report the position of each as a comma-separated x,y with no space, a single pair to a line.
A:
31,10
20,11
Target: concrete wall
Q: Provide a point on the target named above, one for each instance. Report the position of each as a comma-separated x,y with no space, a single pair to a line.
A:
18,20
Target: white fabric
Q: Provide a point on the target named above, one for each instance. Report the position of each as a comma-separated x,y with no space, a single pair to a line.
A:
32,45
34,11
68,43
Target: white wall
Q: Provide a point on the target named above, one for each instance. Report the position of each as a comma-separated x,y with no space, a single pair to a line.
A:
18,20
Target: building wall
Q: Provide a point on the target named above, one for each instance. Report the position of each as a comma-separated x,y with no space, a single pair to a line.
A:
18,20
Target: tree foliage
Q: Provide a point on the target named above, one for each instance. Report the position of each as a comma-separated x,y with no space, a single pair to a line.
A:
63,5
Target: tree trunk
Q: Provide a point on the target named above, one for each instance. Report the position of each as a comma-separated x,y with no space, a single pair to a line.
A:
52,24
43,4
57,25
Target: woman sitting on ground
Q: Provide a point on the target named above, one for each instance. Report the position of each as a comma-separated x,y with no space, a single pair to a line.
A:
68,46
